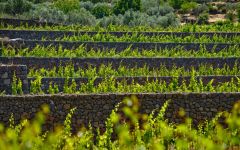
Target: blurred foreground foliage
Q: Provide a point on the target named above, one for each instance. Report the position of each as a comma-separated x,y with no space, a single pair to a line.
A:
126,128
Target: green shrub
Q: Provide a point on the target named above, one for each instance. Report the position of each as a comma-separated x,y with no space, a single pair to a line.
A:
101,10
88,5
161,10
82,17
124,5
44,12
67,5
176,4
133,18
111,20
17,6
163,21
142,19
172,20
148,4
188,7
200,9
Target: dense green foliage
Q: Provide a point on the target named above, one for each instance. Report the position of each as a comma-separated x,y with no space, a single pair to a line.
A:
221,26
153,13
101,10
188,7
130,129
111,85
99,13
176,3
157,38
108,71
123,5
17,6
81,51
66,5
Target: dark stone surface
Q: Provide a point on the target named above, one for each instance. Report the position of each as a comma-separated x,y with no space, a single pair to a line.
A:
96,108
20,22
37,62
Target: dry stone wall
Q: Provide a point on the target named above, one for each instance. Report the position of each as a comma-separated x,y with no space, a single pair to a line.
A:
95,109
20,22
38,62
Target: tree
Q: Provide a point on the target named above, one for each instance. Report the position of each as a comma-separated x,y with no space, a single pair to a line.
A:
123,5
176,4
17,6
67,5
101,10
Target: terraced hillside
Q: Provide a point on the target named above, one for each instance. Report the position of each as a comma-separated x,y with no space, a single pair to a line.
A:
123,60
93,71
